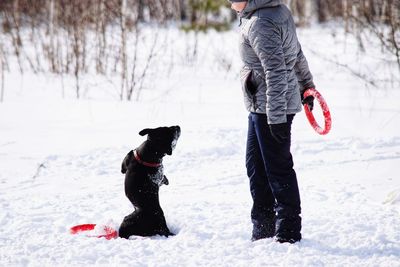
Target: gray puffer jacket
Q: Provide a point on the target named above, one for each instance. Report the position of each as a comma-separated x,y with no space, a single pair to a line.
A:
275,71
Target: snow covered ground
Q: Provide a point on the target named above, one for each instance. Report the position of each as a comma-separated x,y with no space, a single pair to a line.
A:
60,166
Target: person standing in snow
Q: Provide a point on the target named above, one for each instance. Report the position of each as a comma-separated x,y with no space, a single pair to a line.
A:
274,77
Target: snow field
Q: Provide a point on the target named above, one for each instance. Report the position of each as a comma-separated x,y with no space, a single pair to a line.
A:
348,179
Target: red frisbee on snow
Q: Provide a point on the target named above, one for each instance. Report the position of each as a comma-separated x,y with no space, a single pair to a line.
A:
325,111
107,232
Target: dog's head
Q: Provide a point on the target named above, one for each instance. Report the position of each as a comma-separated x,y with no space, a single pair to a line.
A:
163,138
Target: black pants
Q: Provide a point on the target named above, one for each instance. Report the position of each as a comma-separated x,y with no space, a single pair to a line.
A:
273,182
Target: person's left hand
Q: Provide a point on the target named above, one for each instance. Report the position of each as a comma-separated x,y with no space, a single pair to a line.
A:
280,132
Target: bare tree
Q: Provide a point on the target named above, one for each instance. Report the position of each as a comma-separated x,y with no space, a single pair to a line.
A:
77,52
101,33
51,24
123,49
150,57
13,29
2,72
381,18
133,82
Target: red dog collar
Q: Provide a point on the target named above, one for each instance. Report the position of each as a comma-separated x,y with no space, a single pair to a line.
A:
148,164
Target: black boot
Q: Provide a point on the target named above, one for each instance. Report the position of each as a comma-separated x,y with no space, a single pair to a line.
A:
263,230
288,229
288,238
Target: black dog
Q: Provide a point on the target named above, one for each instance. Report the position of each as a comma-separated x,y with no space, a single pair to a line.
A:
143,176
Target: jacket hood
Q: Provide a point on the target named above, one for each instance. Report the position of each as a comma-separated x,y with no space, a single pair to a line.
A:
253,5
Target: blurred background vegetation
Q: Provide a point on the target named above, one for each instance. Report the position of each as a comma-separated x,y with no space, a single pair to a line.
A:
53,35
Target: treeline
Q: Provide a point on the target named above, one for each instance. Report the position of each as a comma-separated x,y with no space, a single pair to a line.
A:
196,12
53,35
360,17
72,37
365,19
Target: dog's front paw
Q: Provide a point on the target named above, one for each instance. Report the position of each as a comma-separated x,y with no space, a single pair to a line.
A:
165,180
170,234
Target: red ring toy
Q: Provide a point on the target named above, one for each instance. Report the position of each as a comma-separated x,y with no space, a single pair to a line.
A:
325,110
110,233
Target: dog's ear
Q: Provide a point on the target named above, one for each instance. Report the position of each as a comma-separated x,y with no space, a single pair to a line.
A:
169,151
145,131
127,160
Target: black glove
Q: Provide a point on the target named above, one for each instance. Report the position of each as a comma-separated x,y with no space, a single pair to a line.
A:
309,100
280,132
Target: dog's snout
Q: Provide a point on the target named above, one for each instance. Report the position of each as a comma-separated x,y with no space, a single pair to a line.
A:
178,130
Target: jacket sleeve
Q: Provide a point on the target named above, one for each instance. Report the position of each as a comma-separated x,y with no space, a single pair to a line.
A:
303,73
265,39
